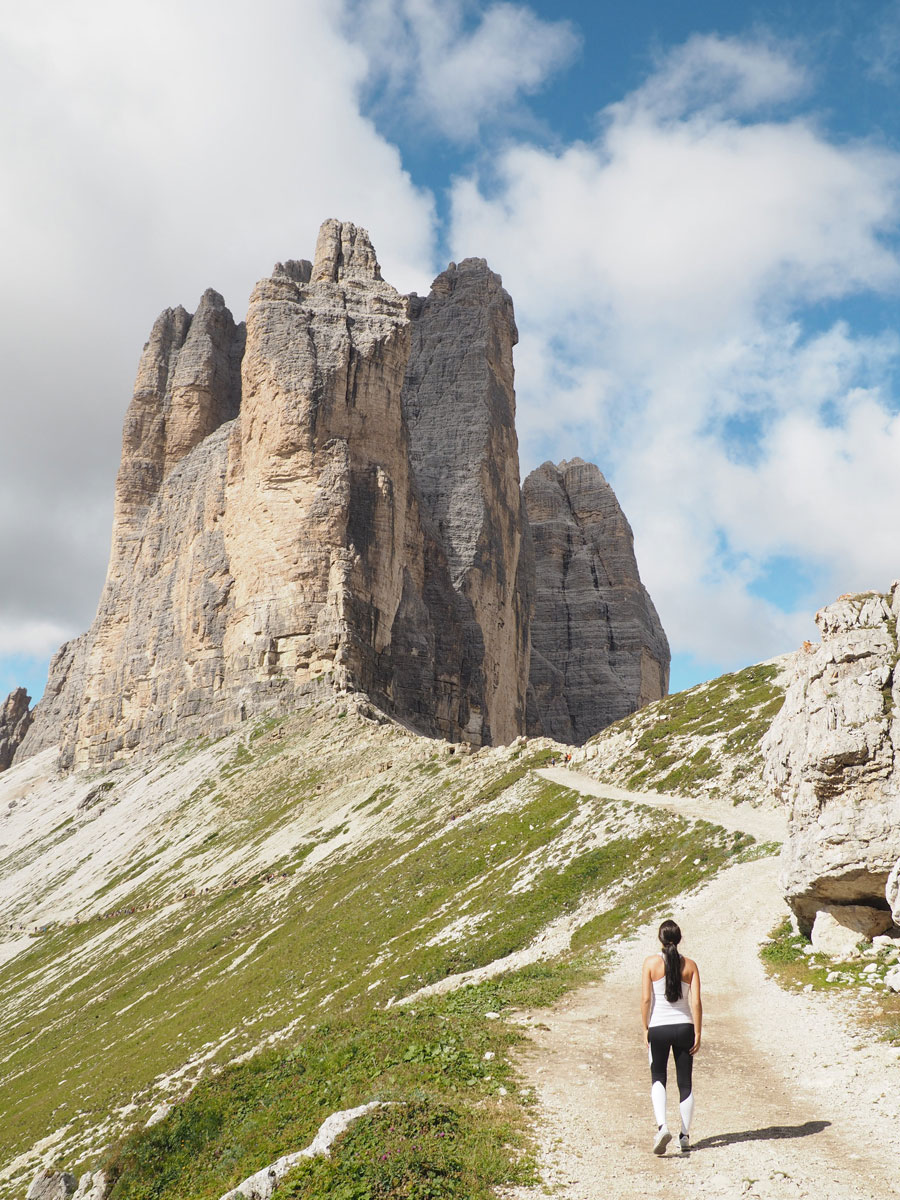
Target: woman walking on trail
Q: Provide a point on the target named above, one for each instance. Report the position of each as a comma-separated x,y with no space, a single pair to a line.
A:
672,1016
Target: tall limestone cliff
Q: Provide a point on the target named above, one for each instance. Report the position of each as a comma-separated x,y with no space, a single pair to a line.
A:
831,755
598,650
328,497
459,404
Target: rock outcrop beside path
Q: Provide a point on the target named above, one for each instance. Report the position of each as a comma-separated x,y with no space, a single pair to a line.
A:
831,756
327,498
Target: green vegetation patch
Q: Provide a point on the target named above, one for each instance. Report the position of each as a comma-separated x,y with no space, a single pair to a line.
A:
703,740
452,1123
788,960
465,861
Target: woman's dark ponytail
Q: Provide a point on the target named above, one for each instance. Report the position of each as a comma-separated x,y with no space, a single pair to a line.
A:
670,936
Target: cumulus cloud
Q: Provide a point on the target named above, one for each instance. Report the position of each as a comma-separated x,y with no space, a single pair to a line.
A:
32,639
664,278
457,68
712,77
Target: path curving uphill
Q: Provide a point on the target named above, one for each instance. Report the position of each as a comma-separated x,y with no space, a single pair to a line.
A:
790,1104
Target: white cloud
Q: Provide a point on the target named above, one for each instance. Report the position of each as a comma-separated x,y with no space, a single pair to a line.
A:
713,77
32,639
456,74
671,266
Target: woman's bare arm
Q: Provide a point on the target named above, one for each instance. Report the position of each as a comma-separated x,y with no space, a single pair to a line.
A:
646,997
696,1008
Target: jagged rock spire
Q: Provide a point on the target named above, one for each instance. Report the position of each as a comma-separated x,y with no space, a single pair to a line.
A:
329,499
598,650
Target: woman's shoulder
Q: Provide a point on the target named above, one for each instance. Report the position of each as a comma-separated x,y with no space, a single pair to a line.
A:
689,966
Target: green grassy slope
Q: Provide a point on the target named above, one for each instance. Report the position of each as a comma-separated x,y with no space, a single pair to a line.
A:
339,865
703,741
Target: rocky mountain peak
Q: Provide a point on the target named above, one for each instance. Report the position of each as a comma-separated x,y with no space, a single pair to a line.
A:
598,650
327,497
343,251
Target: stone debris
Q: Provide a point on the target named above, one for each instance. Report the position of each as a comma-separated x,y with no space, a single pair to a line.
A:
49,1184
837,929
830,756
159,1114
261,1185
93,1186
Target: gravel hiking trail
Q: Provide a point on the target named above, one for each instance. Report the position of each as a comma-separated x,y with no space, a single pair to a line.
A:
792,1099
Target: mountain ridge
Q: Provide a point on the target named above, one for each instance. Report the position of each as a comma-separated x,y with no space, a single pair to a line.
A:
326,497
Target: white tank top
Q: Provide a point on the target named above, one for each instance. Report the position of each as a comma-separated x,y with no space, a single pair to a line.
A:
668,1012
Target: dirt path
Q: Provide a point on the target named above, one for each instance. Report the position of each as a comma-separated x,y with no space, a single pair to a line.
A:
766,824
790,1102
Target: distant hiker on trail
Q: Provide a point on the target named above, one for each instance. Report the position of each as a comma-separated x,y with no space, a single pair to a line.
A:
673,1016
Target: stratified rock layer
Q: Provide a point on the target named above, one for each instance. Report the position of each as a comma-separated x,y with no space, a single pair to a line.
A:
15,719
831,756
598,650
459,404
328,498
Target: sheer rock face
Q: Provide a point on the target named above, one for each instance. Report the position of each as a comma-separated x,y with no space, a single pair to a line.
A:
329,498
336,577
598,650
831,756
15,718
270,539
57,710
459,404
152,658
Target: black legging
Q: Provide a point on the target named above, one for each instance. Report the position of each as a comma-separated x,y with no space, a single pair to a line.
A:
679,1038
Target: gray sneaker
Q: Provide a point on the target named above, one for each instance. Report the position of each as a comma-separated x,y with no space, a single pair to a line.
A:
684,1143
663,1138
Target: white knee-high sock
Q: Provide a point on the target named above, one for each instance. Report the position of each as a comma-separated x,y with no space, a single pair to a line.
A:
658,1099
687,1112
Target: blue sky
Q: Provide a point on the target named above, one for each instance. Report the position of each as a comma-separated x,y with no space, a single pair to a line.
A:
694,206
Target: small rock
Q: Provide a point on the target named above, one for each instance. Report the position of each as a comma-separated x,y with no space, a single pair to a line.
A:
892,979
159,1114
838,928
492,1016
93,1186
51,1185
